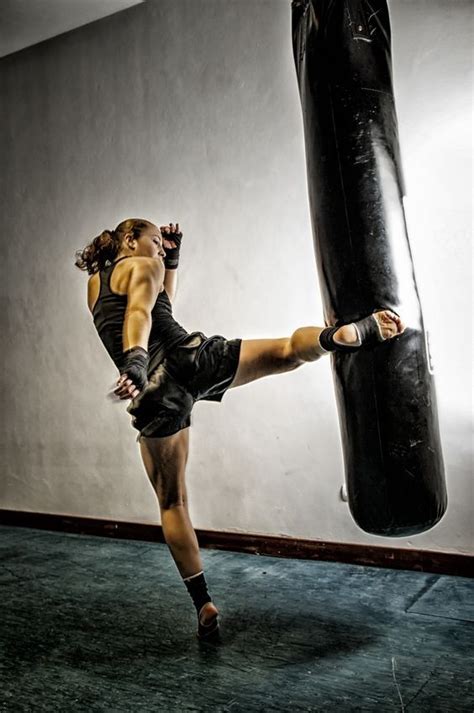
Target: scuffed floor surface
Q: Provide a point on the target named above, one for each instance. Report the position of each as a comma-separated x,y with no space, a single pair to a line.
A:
95,624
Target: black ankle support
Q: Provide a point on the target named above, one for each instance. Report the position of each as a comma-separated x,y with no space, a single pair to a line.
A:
326,339
197,588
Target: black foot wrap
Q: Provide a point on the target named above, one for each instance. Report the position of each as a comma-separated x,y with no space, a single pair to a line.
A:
197,588
369,333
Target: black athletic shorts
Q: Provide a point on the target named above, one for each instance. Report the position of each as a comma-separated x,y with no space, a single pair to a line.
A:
199,369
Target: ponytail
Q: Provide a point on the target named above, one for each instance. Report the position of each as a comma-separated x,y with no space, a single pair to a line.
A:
103,250
99,253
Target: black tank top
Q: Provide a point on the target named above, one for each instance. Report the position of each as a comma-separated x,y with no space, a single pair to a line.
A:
109,315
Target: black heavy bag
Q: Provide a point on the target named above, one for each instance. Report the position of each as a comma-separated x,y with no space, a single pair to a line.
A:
385,394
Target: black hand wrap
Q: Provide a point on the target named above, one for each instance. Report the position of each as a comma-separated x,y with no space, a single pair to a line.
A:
135,365
172,254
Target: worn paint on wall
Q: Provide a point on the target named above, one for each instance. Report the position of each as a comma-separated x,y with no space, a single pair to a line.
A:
188,111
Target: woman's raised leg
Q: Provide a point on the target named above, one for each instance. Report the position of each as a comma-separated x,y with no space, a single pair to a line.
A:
264,357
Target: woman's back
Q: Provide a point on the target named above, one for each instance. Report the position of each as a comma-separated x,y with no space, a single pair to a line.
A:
107,299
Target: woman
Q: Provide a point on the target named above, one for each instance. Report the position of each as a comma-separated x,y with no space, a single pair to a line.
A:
164,369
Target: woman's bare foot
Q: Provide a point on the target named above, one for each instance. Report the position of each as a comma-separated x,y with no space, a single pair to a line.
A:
390,325
208,612
207,620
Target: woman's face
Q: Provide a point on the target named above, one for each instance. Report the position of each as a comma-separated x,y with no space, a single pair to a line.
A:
150,243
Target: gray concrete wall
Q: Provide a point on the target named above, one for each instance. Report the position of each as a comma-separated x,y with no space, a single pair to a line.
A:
24,23
187,110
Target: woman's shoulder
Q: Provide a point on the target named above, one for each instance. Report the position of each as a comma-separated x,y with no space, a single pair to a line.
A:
141,262
134,269
143,267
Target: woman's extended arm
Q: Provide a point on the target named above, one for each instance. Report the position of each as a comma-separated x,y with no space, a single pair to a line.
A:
146,280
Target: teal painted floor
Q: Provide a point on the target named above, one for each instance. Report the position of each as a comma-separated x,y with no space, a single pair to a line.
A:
95,624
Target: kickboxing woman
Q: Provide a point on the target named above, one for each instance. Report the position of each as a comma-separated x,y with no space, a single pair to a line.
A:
164,369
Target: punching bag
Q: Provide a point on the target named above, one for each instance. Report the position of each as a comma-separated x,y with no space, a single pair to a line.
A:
385,393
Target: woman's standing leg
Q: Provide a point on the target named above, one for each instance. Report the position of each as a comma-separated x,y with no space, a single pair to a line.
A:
165,462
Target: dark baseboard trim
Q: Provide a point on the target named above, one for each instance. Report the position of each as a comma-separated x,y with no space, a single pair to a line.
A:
450,563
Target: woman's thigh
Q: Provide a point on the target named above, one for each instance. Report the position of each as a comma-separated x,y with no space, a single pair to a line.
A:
165,464
263,357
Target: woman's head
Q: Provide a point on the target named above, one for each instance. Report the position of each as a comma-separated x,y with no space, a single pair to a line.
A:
134,236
